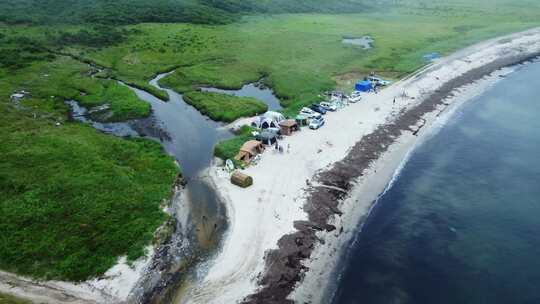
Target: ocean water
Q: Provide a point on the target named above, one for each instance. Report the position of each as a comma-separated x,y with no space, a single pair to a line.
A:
462,222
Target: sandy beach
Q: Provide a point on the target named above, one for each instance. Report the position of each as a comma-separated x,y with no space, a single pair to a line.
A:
115,286
286,231
306,195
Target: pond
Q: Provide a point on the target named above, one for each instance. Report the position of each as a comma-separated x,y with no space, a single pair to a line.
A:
255,90
365,42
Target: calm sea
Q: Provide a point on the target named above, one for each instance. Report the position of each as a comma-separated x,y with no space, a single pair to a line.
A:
462,222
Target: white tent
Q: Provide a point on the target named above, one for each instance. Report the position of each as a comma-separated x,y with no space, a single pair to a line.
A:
274,116
268,123
264,123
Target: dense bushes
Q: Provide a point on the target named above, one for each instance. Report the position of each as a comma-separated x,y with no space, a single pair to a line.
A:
19,52
138,11
108,12
227,149
97,36
222,107
74,200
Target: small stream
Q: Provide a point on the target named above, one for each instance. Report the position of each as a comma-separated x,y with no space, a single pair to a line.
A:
120,129
255,90
200,217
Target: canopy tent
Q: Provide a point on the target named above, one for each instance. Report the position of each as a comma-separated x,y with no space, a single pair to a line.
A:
302,120
363,86
288,126
268,123
267,138
264,123
249,150
274,116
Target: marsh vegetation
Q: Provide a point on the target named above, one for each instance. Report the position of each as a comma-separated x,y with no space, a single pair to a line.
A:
74,199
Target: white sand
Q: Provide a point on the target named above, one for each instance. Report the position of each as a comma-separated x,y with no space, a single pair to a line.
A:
263,213
114,287
260,215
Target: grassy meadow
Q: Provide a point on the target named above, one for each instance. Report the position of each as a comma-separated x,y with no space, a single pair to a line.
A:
300,56
228,149
73,199
222,107
8,299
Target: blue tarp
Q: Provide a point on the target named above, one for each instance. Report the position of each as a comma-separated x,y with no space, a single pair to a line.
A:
432,56
363,86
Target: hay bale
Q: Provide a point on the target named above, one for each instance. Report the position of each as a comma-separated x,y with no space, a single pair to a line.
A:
241,179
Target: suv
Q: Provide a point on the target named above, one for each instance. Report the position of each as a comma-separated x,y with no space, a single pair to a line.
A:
316,123
309,113
317,108
328,106
378,81
355,97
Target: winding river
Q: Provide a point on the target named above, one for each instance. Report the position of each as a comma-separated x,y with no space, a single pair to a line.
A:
200,217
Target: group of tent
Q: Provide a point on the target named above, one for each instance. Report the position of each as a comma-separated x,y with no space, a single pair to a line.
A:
272,125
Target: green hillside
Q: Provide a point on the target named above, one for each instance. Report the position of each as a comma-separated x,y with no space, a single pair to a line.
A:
137,11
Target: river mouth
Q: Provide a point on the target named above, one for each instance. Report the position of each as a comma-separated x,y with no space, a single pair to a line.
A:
200,217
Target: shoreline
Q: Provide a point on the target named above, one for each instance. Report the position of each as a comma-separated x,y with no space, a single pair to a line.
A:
282,210
325,262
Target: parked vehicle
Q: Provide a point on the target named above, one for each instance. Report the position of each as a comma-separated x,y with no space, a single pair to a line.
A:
329,106
316,123
309,113
355,97
336,99
337,94
317,108
378,81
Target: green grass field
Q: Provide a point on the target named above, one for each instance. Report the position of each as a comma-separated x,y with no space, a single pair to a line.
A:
7,299
300,56
53,221
228,149
222,107
73,200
